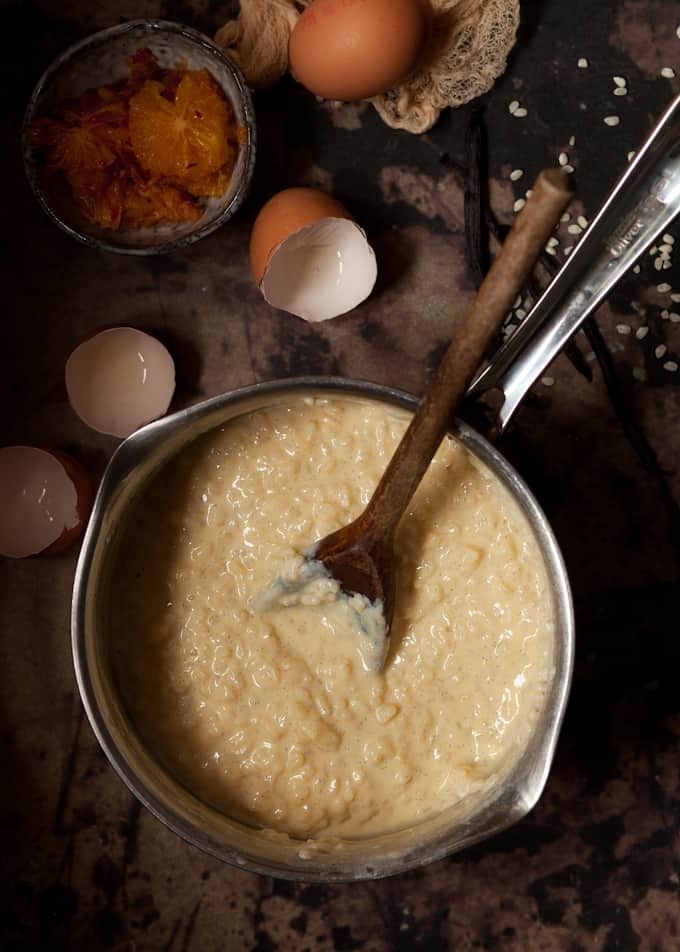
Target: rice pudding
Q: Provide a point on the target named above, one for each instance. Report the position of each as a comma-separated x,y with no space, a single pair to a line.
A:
271,716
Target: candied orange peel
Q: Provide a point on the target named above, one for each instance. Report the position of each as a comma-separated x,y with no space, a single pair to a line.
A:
145,150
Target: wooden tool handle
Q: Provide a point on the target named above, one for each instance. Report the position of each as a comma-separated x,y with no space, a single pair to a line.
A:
515,262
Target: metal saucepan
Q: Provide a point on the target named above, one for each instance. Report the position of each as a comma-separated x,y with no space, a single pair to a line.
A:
643,204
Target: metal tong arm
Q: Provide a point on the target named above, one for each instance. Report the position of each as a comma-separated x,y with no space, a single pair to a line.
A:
641,205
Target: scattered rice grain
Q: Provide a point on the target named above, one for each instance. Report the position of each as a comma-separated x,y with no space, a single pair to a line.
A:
547,381
584,64
668,72
670,365
623,329
660,351
519,205
516,174
663,288
611,120
641,333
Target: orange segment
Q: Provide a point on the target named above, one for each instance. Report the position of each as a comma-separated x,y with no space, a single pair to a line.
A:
171,80
145,206
99,195
74,148
185,138
214,185
92,135
199,99
143,66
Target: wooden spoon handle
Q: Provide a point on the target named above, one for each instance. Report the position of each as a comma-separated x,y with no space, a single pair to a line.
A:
516,259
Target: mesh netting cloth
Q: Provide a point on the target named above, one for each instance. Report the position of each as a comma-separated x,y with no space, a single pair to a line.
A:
467,52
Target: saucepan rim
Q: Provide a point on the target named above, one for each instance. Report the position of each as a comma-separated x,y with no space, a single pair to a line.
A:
136,449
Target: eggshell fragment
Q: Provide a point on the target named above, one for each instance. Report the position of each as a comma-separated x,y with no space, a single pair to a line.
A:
46,500
309,257
120,379
355,49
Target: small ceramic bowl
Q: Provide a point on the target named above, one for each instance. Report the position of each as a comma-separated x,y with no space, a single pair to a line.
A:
101,59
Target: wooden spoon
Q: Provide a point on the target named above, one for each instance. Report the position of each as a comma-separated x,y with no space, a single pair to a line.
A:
361,555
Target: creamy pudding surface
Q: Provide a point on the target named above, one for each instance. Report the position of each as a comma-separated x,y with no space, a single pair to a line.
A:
271,716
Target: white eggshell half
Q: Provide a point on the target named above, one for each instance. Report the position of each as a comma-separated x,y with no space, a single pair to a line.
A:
119,380
39,501
321,271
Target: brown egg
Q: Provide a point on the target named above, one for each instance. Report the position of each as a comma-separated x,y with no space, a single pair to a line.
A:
309,257
47,497
284,214
354,49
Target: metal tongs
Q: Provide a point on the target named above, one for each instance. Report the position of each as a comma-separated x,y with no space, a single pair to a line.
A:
641,205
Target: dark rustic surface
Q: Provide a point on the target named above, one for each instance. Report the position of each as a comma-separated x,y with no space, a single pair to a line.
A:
596,866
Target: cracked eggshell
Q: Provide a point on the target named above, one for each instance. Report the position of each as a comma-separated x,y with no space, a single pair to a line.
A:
309,256
47,497
120,379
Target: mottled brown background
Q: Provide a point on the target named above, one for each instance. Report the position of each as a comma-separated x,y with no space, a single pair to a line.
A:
596,864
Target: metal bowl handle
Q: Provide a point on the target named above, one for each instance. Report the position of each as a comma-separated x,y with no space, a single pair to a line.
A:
643,203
